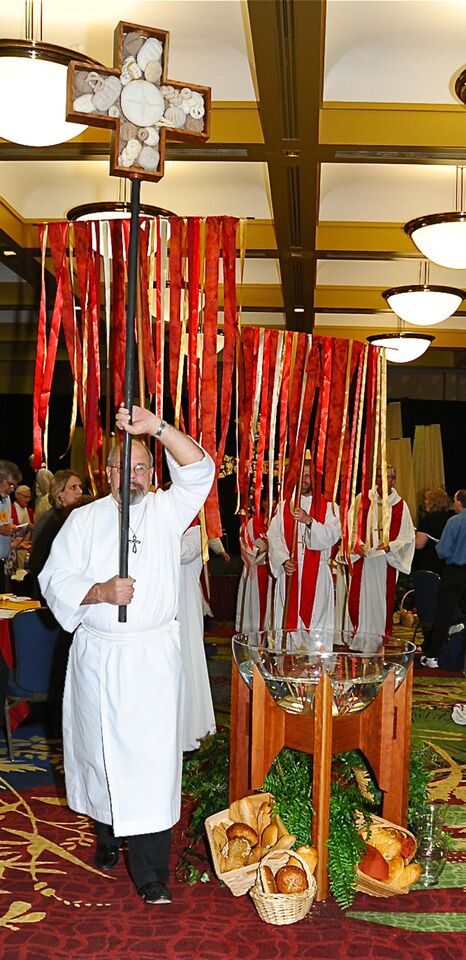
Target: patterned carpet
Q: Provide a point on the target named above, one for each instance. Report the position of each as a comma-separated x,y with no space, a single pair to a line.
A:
53,903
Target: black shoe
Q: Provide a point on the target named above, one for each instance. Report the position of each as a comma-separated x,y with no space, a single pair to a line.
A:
155,892
106,857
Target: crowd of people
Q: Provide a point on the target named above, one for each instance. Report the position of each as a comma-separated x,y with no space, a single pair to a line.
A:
137,693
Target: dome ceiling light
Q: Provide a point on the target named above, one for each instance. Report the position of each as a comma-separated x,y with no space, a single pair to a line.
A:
441,237
424,304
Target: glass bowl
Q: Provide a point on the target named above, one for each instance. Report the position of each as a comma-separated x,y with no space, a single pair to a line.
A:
292,662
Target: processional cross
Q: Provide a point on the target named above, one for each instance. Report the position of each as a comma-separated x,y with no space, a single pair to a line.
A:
143,109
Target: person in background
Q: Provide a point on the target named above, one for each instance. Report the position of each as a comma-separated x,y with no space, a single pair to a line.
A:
375,564
451,548
10,477
65,494
254,590
21,514
311,602
199,718
41,492
430,529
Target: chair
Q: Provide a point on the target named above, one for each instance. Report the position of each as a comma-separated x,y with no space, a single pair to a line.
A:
40,651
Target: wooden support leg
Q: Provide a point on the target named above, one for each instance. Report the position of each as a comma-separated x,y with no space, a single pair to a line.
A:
267,730
395,801
240,737
321,780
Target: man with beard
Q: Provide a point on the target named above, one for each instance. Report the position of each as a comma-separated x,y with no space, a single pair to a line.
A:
311,597
376,564
123,702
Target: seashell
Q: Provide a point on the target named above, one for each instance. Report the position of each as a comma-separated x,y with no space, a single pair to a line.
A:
175,117
149,158
149,135
93,78
187,104
152,49
130,71
114,111
196,126
198,97
130,153
175,100
166,90
153,71
104,98
128,131
142,103
81,84
185,93
197,111
84,104
132,43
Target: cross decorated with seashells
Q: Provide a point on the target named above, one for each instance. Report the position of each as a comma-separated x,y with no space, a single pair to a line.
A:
137,102
143,109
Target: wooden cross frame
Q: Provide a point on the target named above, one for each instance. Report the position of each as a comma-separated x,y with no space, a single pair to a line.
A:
138,103
143,109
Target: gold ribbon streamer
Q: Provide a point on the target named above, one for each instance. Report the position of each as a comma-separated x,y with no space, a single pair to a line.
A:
359,425
383,451
343,421
279,364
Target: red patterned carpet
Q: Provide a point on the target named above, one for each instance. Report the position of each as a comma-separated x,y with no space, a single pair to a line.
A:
55,905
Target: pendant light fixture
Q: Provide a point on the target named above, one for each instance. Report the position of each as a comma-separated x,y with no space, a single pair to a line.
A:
402,347
441,237
424,304
33,77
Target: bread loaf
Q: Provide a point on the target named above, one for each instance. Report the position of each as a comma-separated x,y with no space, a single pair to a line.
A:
242,830
291,879
267,880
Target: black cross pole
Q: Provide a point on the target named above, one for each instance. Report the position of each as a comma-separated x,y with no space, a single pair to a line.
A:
130,353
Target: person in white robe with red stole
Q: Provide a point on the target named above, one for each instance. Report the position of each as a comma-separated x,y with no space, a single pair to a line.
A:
311,600
199,717
123,700
375,566
254,590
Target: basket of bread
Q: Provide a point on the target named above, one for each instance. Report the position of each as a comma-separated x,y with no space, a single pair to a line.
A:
240,836
386,868
284,892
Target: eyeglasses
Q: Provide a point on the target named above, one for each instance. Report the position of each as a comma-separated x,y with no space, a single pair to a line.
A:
138,468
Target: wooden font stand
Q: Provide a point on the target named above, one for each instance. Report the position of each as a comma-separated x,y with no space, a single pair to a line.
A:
260,728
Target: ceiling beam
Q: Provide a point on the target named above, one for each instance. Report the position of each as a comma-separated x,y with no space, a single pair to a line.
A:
288,41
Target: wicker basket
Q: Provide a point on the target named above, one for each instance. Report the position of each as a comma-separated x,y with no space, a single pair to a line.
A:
283,908
377,888
409,618
239,881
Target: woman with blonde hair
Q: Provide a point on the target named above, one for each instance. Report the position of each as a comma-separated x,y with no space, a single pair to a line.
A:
65,494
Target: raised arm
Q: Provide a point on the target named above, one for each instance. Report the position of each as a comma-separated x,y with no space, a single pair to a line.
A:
181,447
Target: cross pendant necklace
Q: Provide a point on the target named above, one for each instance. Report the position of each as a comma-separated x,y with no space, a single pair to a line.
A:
134,541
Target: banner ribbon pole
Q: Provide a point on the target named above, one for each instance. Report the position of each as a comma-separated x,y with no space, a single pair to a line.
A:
130,354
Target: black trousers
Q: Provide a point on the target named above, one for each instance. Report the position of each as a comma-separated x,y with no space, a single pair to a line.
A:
148,853
451,594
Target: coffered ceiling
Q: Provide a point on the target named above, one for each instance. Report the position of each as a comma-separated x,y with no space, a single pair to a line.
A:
333,124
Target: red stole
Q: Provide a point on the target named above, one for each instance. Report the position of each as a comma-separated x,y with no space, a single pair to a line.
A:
310,570
14,515
354,596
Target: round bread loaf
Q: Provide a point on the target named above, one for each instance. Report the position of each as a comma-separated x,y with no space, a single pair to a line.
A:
243,831
291,880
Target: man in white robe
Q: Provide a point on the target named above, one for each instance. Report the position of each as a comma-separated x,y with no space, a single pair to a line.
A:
311,597
255,586
375,564
123,700
199,717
